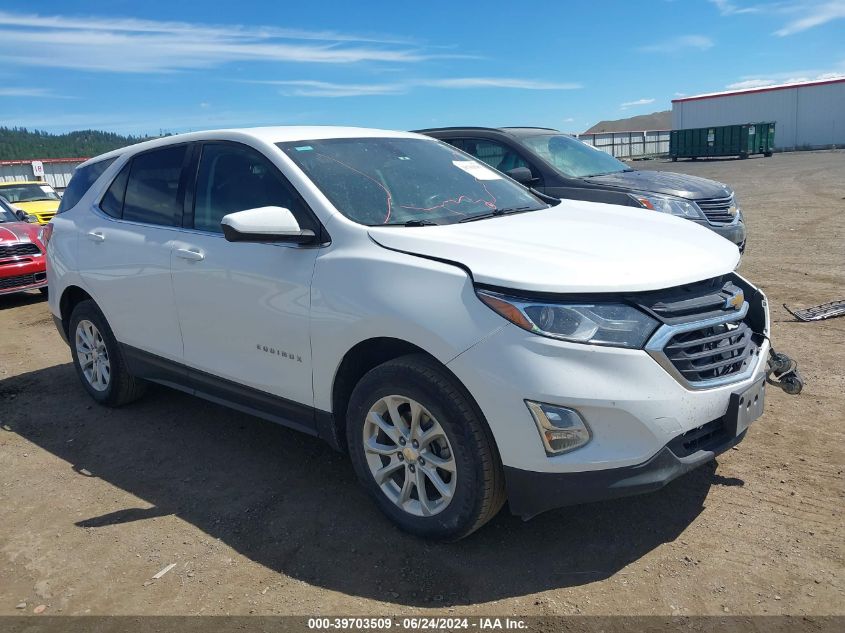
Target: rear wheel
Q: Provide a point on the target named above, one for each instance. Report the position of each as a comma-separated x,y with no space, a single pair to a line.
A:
98,360
422,451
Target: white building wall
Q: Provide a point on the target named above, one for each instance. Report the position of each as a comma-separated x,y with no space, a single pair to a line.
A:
57,174
805,116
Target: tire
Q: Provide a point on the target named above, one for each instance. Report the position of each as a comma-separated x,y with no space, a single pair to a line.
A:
476,490
88,324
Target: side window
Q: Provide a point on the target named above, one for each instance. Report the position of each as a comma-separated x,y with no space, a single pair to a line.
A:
112,202
81,182
495,154
152,190
234,178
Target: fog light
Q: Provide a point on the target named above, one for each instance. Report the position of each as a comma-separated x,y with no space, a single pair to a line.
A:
561,429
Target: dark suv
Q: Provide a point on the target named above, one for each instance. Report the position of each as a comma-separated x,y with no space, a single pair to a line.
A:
561,166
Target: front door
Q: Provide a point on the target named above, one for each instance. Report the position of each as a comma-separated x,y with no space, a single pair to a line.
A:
244,307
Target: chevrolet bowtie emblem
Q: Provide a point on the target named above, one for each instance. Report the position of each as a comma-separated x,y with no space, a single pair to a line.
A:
735,301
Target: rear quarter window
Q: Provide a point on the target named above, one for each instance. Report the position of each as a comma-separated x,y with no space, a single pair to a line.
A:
153,195
81,182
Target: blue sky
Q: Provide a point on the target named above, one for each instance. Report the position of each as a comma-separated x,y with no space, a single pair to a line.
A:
141,67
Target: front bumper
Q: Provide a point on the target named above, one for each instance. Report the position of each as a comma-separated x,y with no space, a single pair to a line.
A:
632,405
530,493
20,282
733,232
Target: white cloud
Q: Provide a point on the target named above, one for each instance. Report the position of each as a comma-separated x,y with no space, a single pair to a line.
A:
679,43
133,25
680,94
25,92
730,8
813,15
770,79
801,14
497,82
147,46
309,88
312,88
638,102
750,83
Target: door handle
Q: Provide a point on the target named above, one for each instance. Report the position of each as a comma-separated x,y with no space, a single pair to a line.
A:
96,236
190,255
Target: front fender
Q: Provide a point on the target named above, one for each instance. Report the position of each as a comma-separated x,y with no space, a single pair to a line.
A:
372,292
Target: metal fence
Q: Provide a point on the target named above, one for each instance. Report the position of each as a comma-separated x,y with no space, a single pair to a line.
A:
57,171
630,144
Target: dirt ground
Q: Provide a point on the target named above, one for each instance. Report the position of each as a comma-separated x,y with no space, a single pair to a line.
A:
260,519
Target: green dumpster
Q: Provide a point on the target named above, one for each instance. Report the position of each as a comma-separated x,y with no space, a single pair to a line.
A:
726,140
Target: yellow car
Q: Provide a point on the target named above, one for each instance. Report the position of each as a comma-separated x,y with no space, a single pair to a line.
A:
35,197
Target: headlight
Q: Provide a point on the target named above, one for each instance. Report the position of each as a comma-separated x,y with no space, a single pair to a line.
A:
672,206
613,324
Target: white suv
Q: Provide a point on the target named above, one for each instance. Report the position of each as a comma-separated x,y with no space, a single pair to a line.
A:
465,339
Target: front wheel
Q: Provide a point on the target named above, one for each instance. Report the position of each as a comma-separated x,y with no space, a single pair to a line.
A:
422,451
98,359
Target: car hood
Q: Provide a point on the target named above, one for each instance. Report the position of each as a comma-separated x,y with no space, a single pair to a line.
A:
18,232
37,206
664,182
574,247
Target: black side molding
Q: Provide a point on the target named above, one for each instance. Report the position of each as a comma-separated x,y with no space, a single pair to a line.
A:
231,394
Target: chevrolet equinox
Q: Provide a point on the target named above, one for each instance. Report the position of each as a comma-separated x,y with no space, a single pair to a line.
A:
466,340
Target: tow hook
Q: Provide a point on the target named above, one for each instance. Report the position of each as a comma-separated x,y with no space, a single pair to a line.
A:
782,372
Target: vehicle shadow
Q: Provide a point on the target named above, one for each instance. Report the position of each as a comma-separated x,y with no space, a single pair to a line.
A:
10,301
290,503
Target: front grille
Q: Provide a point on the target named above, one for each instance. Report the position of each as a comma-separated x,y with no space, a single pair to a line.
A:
21,280
45,216
16,250
710,353
692,302
704,340
717,210
705,437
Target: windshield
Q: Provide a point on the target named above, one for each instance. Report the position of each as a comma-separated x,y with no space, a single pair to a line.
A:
6,215
572,157
377,181
20,192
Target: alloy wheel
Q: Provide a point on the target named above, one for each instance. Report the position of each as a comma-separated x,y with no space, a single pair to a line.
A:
409,456
93,355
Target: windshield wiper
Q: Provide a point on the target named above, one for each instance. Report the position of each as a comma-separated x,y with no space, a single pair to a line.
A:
496,213
409,223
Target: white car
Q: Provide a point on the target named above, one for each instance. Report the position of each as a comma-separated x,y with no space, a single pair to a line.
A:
466,340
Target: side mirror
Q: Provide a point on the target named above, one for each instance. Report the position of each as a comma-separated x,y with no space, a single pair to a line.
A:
265,224
21,214
32,219
522,175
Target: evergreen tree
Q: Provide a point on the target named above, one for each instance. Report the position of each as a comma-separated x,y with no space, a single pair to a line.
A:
19,143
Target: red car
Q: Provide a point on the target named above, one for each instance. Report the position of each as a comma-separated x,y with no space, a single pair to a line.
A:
22,261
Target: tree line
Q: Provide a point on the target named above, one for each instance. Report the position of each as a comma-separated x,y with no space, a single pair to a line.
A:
18,143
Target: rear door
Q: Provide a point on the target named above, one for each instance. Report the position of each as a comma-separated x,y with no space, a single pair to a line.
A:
244,308
124,250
